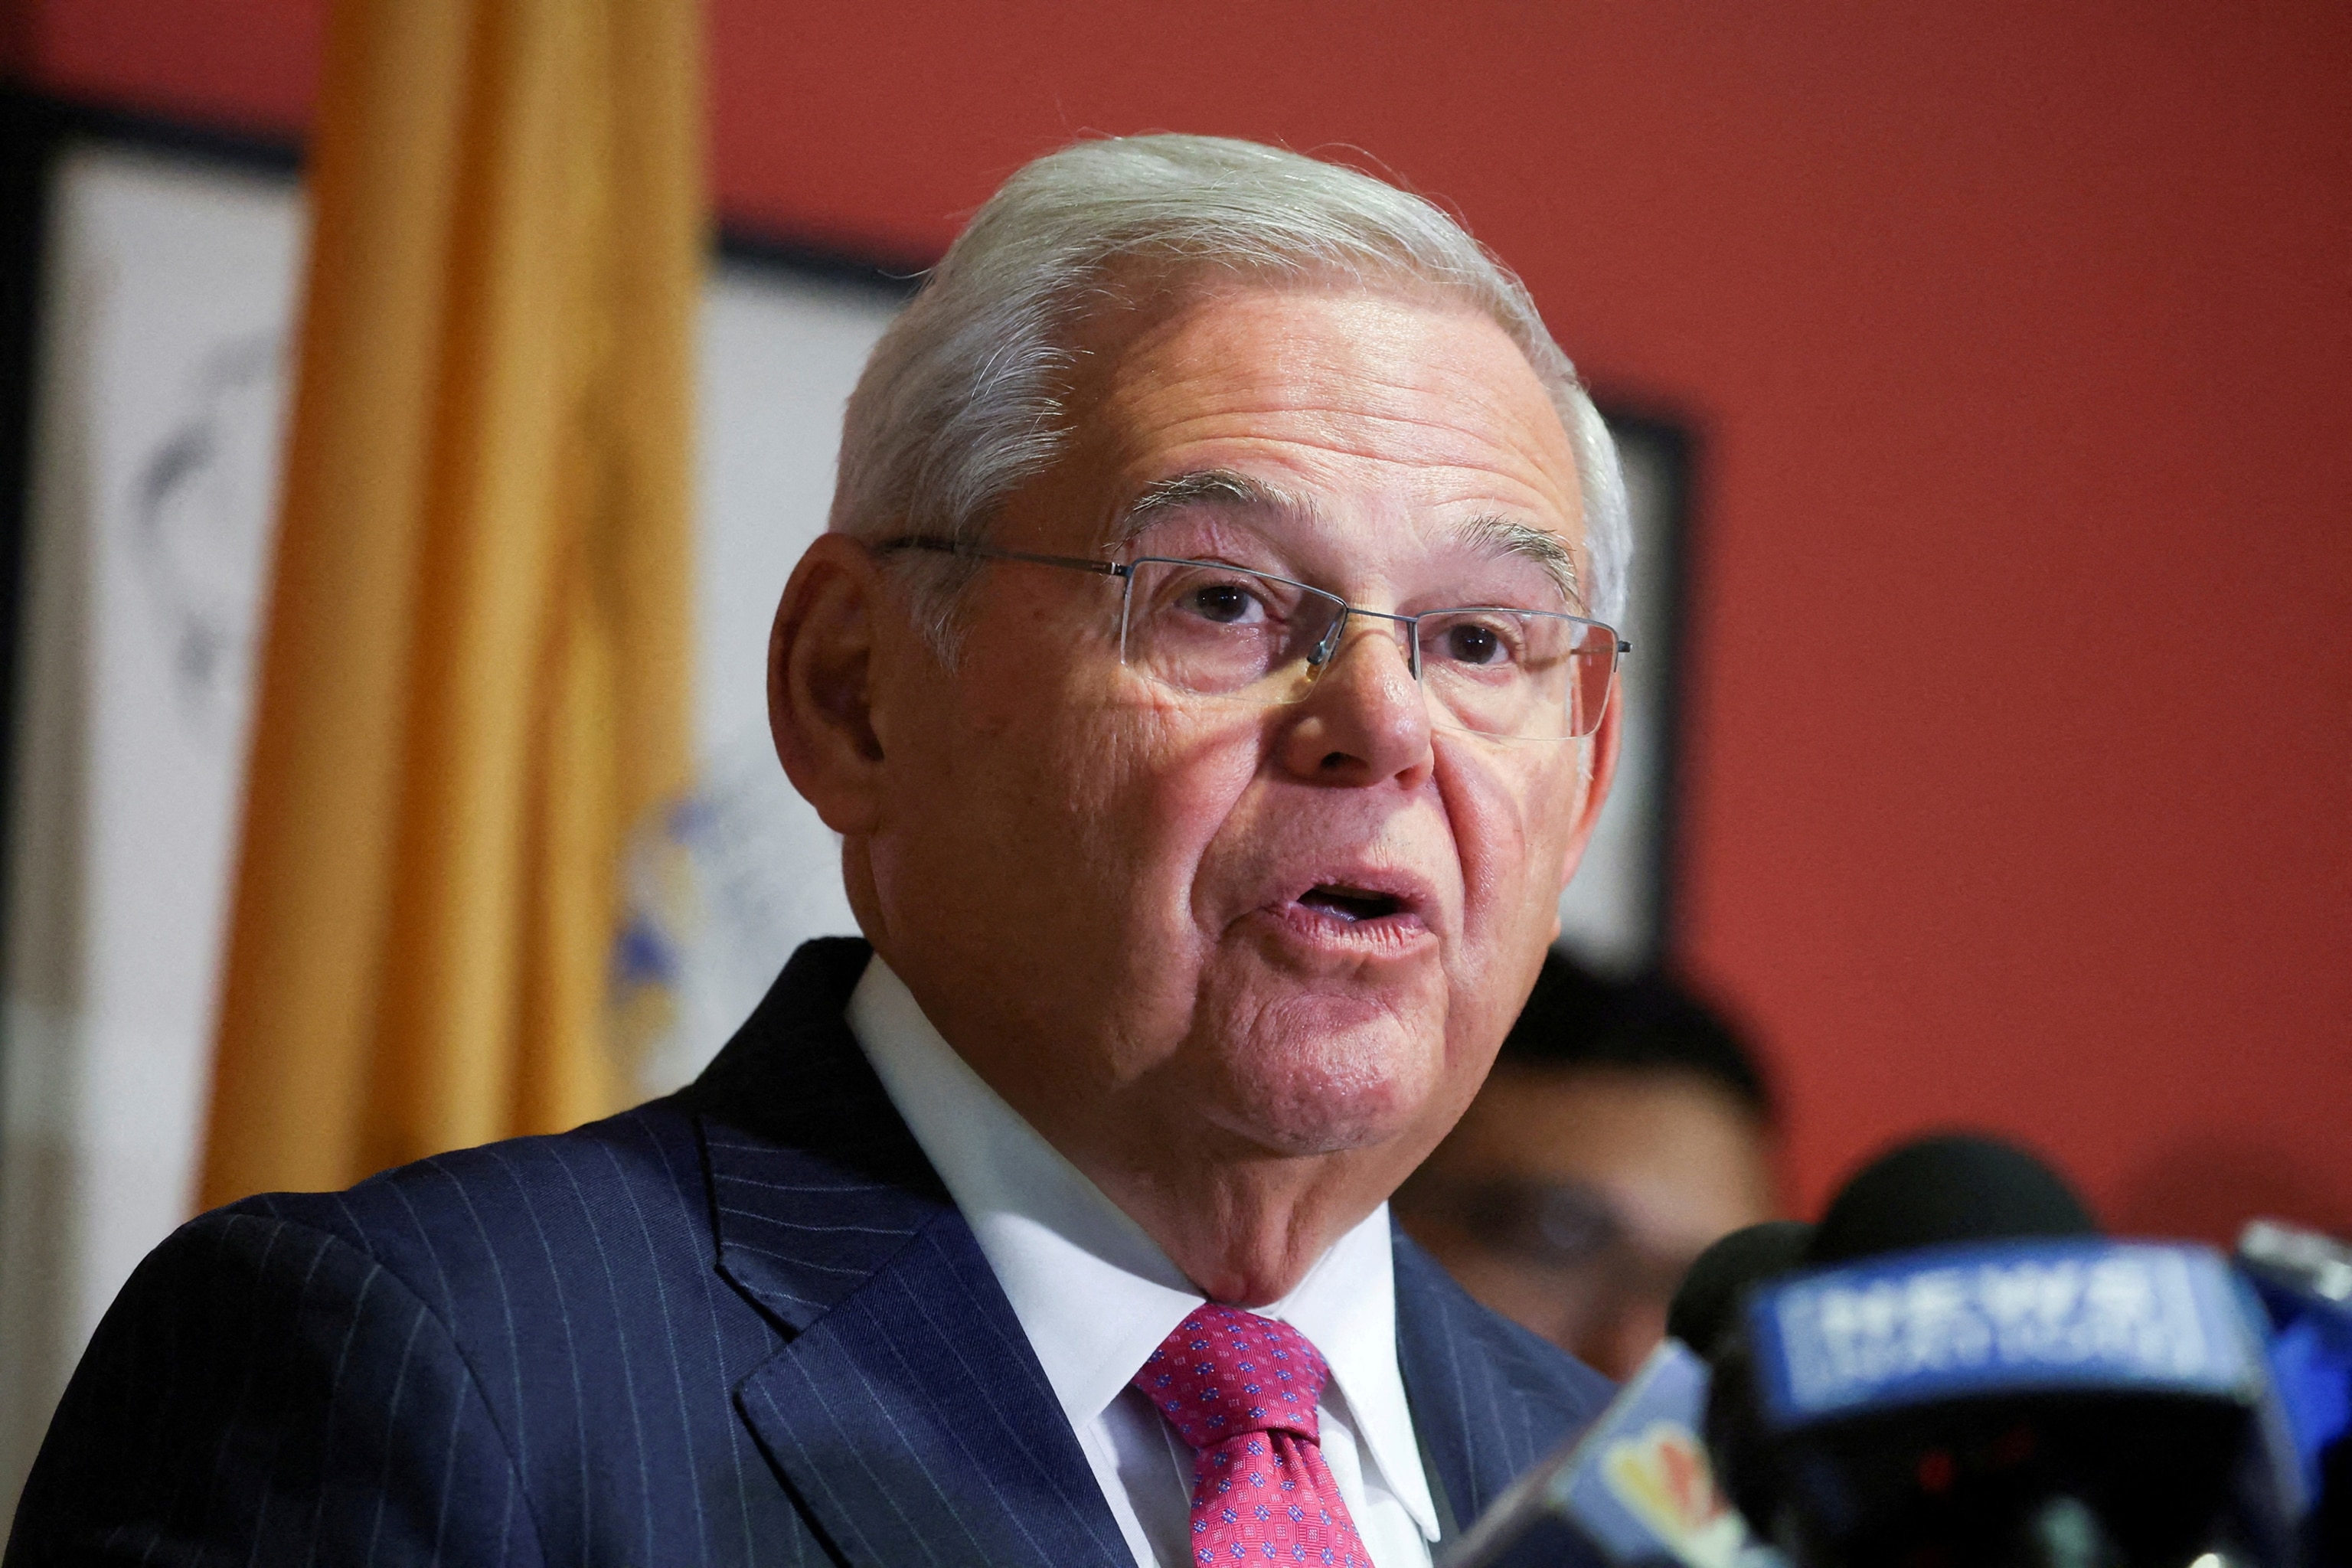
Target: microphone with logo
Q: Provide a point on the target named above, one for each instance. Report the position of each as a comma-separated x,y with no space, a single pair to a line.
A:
2305,1281
1635,1489
1965,1371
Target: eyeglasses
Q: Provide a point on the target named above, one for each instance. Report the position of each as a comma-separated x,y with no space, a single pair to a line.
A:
1561,1224
1563,1228
1225,631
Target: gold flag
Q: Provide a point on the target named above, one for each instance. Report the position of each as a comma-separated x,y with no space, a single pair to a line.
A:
475,679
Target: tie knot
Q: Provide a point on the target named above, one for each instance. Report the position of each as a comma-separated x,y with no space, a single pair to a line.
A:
1224,1373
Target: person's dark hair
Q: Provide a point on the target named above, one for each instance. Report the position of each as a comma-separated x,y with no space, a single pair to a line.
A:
1649,1022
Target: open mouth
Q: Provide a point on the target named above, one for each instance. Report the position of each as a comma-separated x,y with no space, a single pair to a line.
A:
1350,904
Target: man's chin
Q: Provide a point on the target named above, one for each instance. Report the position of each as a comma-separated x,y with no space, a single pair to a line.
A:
1298,1132
1309,1079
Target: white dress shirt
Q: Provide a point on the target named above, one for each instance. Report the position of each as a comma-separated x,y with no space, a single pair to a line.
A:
1096,1295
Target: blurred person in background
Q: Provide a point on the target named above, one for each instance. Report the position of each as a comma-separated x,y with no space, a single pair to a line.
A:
1623,1129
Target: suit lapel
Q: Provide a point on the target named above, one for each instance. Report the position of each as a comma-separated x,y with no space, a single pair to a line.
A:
916,1424
815,1183
906,1412
1475,1429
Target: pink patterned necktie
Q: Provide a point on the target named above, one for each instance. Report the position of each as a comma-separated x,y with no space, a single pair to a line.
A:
1241,1389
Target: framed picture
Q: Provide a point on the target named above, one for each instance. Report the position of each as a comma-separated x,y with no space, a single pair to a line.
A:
1617,912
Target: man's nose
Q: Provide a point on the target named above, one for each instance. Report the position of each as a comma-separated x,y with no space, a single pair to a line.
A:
1366,719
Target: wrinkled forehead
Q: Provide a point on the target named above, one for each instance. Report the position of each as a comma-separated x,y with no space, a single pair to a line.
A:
1374,422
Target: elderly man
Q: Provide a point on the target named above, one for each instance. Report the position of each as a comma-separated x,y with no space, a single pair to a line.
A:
1201,673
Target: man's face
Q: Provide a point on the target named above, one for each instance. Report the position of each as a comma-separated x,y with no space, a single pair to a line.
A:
1278,929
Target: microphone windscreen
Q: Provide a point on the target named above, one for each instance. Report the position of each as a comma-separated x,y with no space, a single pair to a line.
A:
1708,1300
1949,1188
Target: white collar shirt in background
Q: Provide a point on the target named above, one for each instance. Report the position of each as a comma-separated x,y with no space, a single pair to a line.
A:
1096,1296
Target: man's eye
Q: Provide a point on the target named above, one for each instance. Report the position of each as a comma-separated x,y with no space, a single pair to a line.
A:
1226,604
1473,642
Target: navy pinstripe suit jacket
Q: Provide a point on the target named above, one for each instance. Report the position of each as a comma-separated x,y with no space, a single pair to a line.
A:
741,1325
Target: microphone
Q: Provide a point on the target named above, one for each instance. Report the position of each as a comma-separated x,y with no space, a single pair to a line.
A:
1950,1187
1635,1485
2304,1282
1707,1302
1965,1371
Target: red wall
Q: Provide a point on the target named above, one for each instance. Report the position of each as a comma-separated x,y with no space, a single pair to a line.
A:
2018,337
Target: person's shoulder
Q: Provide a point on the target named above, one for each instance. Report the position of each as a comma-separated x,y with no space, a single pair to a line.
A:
503,1185
471,1231
564,1196
485,1314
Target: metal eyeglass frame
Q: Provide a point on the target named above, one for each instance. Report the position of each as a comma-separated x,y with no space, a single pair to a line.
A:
1323,652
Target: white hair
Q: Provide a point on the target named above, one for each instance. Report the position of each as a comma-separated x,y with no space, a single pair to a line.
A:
965,396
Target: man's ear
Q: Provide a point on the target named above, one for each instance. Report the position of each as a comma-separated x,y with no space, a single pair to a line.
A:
1603,755
821,669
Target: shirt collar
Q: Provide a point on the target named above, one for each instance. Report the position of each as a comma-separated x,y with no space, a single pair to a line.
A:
1095,1294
